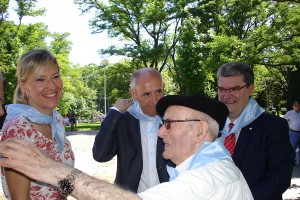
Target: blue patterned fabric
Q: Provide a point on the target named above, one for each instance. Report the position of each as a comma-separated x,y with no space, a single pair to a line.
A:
249,114
136,111
33,115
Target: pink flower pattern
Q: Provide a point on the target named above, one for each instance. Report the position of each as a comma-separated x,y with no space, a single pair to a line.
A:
22,128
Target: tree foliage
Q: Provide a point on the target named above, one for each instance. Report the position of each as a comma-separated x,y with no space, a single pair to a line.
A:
151,28
17,38
261,33
186,40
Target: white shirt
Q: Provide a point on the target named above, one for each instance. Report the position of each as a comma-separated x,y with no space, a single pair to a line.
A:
293,119
149,176
218,180
237,133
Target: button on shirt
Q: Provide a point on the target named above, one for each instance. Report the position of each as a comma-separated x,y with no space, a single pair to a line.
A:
293,119
149,176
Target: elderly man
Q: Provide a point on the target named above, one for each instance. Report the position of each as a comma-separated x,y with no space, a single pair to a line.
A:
204,168
130,130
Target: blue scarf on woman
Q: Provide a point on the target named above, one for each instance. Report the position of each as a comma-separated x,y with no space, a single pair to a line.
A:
208,152
136,111
58,132
249,114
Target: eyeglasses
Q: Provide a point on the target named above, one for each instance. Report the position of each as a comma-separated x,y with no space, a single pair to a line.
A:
232,90
168,122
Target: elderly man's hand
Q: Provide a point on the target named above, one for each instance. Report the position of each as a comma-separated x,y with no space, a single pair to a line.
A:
25,157
123,104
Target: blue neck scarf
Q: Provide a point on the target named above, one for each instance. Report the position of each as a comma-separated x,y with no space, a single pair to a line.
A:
249,114
208,152
58,132
136,111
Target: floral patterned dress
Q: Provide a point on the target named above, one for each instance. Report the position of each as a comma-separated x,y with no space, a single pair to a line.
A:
22,128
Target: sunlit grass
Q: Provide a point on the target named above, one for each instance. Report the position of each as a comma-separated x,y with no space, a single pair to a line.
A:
85,126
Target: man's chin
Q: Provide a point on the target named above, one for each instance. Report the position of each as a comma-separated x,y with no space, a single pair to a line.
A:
166,156
152,114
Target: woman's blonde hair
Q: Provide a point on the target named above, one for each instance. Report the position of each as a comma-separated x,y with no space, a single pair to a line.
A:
31,62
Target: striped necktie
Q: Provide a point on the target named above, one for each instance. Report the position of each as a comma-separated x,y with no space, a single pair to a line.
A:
229,141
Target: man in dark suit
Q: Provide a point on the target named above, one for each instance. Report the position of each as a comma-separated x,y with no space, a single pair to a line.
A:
130,132
258,141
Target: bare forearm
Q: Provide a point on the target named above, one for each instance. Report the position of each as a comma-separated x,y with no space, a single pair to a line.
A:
87,187
26,158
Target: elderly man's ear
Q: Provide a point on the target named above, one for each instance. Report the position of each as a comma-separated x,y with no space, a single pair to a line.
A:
201,131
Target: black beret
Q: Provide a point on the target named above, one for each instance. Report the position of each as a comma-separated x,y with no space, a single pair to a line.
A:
212,107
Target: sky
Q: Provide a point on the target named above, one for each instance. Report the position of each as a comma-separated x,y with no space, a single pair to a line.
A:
64,16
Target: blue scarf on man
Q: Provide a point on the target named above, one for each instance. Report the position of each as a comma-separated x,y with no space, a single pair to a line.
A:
249,114
208,152
136,111
33,115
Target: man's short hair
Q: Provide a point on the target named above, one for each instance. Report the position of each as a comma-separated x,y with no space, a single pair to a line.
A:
296,102
237,69
135,75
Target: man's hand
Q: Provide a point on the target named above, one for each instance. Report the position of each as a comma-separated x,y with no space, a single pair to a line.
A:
25,157
123,104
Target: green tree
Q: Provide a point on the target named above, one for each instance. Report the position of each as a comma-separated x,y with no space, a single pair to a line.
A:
151,28
16,39
261,33
118,80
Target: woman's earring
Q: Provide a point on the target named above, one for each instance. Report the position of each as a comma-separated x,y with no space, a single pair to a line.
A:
26,97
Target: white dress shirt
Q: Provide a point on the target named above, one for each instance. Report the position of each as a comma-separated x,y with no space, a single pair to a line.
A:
149,176
237,133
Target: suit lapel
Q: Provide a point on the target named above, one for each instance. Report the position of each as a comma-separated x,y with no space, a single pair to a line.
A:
242,143
136,137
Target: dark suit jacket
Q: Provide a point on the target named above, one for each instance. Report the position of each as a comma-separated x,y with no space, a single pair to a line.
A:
120,135
264,155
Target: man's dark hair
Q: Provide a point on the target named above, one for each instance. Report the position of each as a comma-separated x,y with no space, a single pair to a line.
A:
237,69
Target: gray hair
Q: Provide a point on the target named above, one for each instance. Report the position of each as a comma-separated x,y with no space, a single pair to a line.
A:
213,128
213,125
135,75
237,69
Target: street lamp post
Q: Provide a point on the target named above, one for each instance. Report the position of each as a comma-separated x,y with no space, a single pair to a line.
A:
104,63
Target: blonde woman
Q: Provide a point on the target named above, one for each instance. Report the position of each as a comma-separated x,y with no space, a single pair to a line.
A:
33,118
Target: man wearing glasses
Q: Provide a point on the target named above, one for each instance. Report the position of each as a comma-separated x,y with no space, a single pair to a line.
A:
258,141
204,168
293,118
